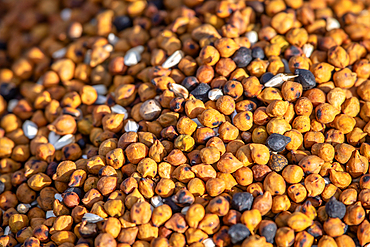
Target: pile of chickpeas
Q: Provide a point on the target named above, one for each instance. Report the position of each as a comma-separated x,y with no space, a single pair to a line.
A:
196,123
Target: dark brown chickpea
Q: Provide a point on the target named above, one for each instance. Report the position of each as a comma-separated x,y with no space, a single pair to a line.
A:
243,120
334,227
226,47
338,57
140,213
63,125
303,107
205,73
209,55
211,118
193,108
274,183
263,203
225,104
233,88
299,62
361,68
257,67
291,91
252,86
284,236
316,96
177,223
313,137
165,187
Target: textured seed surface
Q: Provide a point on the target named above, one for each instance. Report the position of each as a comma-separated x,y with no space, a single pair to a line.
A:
184,123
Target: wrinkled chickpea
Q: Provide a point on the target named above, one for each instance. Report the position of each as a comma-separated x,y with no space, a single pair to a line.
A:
154,115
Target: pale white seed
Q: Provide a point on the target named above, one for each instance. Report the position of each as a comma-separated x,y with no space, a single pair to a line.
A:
119,110
215,94
59,53
30,129
173,60
286,65
209,242
108,48
75,30
327,180
197,122
58,197
156,201
92,218
216,131
79,115
66,14
23,208
131,126
318,198
101,89
133,56
140,49
7,231
233,115
40,80
150,109
112,39
93,21
53,137
100,100
87,57
50,214
252,37
356,180
307,49
278,80
64,141
84,156
12,104
184,210
34,203
179,90
364,12
332,23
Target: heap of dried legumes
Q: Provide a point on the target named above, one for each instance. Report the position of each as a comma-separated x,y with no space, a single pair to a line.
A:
184,123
